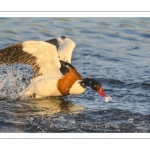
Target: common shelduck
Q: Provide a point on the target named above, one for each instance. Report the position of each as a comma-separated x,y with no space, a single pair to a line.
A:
53,73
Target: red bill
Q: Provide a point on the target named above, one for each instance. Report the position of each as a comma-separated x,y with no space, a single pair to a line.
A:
101,92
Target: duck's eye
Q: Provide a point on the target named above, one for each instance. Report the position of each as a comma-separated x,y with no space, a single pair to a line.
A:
63,37
82,84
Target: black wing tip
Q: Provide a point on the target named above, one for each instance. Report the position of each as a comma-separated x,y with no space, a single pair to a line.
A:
54,42
63,37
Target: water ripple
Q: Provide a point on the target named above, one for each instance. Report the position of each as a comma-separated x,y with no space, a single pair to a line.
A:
114,51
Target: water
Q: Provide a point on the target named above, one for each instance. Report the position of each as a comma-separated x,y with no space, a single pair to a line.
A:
115,51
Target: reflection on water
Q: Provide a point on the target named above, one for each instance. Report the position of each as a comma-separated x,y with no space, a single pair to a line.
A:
50,106
46,106
28,115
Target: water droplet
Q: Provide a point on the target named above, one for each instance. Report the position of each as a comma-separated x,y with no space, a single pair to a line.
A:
72,121
31,119
107,99
87,56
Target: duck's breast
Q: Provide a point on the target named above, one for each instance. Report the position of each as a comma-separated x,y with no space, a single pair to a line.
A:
66,82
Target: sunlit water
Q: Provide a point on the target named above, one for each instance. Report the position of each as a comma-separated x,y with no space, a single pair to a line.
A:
115,51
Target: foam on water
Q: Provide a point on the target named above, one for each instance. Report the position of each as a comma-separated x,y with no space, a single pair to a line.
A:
107,99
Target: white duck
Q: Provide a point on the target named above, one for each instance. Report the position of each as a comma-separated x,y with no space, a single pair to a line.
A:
51,61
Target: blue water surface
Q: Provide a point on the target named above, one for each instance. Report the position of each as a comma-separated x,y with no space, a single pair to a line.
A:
114,51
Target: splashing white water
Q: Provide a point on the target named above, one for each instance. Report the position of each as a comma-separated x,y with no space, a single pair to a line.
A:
12,81
107,99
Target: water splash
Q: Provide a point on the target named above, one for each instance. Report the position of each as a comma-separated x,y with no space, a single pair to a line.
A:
107,99
12,81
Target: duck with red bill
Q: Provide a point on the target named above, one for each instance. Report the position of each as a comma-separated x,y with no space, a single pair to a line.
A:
96,86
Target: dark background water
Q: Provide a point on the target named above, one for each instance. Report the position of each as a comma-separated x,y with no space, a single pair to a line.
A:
115,51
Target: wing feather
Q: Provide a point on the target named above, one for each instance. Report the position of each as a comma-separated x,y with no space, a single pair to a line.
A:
42,56
65,47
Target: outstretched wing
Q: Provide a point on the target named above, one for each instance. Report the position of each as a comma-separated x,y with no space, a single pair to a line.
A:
65,47
42,56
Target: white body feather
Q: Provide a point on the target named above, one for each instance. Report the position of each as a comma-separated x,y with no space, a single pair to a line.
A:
43,87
